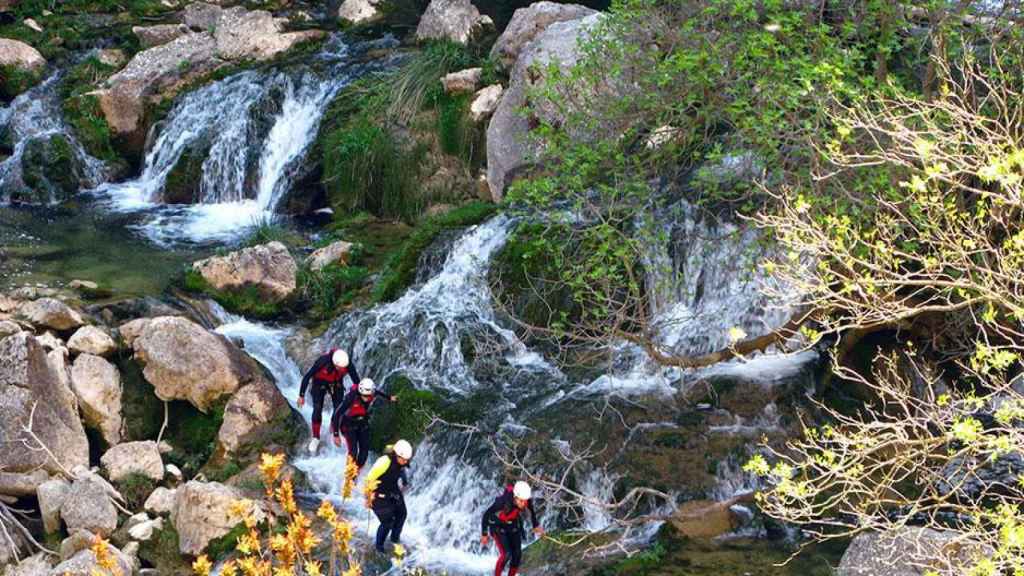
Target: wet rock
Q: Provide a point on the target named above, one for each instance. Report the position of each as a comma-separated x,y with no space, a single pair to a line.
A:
910,552
161,501
485,102
256,416
185,362
455,20
97,384
29,388
267,267
200,514
88,507
51,496
150,36
509,148
463,81
91,340
707,519
334,253
183,184
52,170
130,458
51,313
527,23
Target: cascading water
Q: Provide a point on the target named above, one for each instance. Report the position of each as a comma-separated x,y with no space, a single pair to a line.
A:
34,119
247,135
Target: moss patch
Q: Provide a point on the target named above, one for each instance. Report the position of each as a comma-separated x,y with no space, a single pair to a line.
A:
192,434
400,270
142,411
162,553
247,301
15,80
136,488
224,545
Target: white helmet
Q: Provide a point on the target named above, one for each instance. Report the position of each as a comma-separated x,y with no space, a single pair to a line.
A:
403,449
340,358
522,490
366,386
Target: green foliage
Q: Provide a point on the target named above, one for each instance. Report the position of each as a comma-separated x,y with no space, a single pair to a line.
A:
163,553
15,80
400,269
271,228
332,288
454,130
82,111
192,434
247,301
136,488
223,472
225,545
407,418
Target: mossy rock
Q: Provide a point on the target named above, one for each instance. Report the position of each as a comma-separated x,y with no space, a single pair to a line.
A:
15,80
51,169
163,553
247,301
86,118
184,182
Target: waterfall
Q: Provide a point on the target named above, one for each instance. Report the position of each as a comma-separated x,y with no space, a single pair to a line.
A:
228,152
34,118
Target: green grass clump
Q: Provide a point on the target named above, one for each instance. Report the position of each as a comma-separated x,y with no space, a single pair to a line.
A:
400,270
331,288
136,488
192,434
15,80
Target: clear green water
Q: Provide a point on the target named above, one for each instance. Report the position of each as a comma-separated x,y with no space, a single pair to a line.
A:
55,245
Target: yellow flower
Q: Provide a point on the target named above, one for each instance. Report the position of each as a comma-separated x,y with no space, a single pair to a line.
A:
354,570
351,474
278,542
313,568
327,511
202,566
229,569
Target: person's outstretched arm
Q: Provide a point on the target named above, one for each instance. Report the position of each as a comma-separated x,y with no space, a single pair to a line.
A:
340,412
317,365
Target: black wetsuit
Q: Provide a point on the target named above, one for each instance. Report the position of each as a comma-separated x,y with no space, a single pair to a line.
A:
326,378
504,521
352,419
388,502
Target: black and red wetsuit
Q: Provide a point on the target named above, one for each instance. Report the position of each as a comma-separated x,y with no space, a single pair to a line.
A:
504,521
326,378
352,419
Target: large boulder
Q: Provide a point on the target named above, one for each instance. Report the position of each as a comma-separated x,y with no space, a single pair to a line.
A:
509,145
201,515
31,393
91,340
455,20
129,458
85,563
202,16
334,253
97,384
709,519
51,313
527,23
910,552
20,56
20,484
242,35
254,417
185,362
150,36
51,496
267,267
88,506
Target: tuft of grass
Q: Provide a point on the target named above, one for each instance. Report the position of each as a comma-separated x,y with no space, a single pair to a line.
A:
224,545
268,228
15,80
136,488
331,288
400,270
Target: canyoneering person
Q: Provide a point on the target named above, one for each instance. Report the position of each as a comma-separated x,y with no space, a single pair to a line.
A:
352,419
503,521
387,499
327,375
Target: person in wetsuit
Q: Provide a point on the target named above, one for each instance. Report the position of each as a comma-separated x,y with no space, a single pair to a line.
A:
387,500
326,375
352,419
503,521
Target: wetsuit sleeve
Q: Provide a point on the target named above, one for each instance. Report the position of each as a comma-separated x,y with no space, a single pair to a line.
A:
490,516
309,373
404,476
353,372
533,513
340,411
379,468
